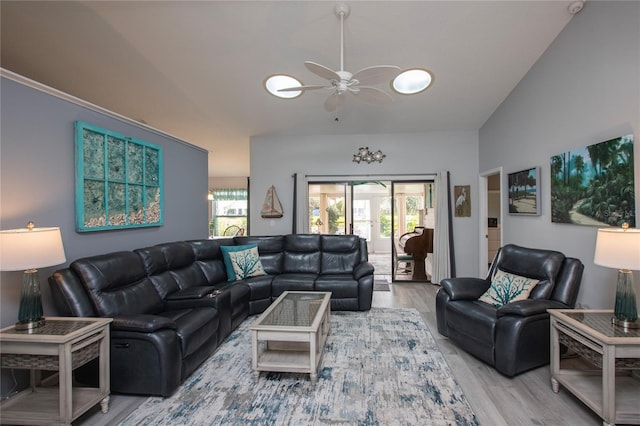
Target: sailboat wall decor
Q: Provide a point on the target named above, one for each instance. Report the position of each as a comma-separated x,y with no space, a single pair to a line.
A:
272,208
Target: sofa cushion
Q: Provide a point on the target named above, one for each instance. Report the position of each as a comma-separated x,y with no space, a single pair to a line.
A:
158,270
271,249
117,284
340,286
259,287
195,327
302,254
506,288
475,320
242,261
293,282
209,258
340,254
543,265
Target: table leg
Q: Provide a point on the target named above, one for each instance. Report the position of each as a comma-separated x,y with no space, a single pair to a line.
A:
104,405
254,358
608,385
313,357
555,356
65,384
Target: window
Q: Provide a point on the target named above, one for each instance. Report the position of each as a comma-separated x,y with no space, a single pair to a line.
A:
229,212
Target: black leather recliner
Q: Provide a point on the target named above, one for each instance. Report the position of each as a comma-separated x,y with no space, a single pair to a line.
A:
515,337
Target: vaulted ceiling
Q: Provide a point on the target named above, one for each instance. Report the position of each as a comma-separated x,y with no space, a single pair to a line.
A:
195,69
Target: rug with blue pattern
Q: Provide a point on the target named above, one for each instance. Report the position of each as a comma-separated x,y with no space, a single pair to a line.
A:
380,367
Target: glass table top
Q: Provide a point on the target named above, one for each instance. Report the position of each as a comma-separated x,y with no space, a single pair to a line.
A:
601,322
53,327
295,310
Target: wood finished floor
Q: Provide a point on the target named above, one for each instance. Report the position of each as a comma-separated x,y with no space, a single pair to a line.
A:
524,400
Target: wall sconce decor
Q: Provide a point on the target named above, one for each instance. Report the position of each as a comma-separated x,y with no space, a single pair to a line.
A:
368,156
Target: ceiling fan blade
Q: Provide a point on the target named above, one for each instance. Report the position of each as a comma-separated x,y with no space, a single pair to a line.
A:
333,102
302,88
322,71
372,95
376,74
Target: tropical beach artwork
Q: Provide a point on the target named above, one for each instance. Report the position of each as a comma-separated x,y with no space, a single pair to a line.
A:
594,185
524,197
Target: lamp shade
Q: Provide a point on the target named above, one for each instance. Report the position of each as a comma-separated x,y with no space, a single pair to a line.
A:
618,248
22,249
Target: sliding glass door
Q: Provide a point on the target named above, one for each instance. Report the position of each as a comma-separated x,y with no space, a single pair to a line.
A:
328,208
371,209
360,208
385,213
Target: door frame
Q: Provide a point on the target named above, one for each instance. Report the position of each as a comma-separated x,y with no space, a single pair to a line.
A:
483,200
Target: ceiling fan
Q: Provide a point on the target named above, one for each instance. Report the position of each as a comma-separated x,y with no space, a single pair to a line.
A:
342,82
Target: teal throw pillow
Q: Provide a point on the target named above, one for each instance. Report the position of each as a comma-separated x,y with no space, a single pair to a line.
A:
242,261
506,287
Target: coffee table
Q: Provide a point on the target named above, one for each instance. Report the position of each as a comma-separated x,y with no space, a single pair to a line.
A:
290,335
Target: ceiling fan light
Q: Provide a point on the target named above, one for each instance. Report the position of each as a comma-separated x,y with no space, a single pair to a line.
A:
412,81
275,83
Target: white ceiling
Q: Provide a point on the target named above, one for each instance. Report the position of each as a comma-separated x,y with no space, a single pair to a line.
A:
195,69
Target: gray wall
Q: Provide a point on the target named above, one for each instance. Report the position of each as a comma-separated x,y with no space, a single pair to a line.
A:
275,159
37,183
585,89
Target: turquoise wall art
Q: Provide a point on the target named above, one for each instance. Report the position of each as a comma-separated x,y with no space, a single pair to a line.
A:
118,180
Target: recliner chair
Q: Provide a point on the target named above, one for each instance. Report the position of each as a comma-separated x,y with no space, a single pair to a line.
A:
513,338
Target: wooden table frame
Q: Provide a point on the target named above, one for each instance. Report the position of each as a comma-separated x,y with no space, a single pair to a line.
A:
61,352
612,388
288,348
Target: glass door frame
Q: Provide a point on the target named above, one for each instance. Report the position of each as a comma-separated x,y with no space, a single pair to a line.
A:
349,180
428,202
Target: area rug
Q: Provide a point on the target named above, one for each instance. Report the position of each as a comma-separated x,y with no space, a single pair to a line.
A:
380,286
380,367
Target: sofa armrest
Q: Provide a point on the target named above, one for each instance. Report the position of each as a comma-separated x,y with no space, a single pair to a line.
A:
529,307
362,269
464,288
142,323
197,292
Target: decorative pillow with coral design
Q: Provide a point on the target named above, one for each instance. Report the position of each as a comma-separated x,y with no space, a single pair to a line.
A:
242,261
506,287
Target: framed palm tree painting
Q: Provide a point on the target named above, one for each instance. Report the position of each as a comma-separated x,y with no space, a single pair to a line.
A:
524,193
594,185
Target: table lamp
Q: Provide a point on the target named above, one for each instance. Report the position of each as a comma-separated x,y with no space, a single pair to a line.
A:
620,248
28,249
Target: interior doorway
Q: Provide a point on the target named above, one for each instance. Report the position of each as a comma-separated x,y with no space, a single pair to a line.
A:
491,214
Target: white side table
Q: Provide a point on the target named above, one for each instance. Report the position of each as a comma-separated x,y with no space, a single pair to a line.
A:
62,344
612,388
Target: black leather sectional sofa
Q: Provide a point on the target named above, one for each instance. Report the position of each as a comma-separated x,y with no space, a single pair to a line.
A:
173,305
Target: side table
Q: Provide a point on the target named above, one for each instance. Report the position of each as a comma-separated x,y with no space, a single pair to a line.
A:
612,388
62,344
